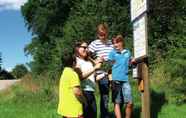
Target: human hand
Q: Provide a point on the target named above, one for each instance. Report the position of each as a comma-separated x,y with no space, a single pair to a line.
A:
133,61
99,60
97,66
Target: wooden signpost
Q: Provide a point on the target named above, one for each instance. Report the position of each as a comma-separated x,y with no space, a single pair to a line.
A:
140,36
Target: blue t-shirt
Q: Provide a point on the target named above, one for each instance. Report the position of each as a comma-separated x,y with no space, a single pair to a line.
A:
120,64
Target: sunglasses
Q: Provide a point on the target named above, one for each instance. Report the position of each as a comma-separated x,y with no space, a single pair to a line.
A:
84,47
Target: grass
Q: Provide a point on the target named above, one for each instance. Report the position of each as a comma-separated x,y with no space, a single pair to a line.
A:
27,110
173,111
30,99
26,100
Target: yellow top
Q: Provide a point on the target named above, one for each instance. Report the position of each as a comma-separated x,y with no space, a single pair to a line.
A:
69,105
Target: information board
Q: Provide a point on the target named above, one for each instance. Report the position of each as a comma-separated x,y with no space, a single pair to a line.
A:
138,7
140,37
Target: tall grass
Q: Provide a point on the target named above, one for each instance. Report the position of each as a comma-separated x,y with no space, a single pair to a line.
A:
38,98
29,99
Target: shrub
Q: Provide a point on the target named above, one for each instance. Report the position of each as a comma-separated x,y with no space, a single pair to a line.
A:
169,76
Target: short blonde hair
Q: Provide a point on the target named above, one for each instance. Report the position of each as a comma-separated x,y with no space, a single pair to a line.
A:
102,27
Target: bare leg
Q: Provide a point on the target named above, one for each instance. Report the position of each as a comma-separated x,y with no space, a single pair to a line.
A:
117,110
128,110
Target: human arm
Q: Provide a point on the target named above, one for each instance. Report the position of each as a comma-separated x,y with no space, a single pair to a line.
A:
87,73
79,95
132,60
74,84
106,66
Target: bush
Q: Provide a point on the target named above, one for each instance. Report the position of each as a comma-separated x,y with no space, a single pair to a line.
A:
19,71
168,76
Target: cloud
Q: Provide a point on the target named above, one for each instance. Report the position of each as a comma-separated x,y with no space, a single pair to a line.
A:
9,69
11,4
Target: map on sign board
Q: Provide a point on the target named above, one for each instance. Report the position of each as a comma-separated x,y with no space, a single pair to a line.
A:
137,8
140,38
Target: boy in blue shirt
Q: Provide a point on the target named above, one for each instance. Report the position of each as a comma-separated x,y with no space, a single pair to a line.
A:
121,90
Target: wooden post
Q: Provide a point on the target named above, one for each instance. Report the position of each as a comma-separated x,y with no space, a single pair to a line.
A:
146,92
140,34
145,77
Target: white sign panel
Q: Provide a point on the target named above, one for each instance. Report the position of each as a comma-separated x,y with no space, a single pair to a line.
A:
137,8
140,38
135,73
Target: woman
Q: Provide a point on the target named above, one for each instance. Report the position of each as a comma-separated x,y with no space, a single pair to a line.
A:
88,78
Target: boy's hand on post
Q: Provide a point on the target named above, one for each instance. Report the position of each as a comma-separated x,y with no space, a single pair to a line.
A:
133,61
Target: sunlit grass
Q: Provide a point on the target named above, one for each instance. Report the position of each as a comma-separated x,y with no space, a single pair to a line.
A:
39,99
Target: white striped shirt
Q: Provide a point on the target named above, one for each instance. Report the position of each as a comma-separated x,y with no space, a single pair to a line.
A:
101,49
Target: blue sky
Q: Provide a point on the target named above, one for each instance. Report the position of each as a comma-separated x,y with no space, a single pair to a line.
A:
13,34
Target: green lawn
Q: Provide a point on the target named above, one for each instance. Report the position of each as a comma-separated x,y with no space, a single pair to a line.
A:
23,104
173,111
20,103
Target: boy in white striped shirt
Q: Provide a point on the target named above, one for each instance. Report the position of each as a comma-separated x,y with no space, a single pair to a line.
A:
102,47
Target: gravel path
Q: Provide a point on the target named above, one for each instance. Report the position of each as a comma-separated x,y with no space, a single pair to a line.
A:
6,83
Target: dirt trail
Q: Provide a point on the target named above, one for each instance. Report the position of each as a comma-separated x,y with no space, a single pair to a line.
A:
6,83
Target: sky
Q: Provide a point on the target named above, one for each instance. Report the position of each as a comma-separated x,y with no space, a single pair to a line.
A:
14,35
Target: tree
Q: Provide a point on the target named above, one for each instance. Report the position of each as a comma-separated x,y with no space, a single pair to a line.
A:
45,18
19,71
57,24
166,27
5,75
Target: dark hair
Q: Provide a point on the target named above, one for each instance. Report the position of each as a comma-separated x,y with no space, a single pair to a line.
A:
68,59
77,45
118,38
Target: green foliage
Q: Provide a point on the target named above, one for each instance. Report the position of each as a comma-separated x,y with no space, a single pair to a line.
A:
169,76
173,111
167,27
57,24
19,71
5,75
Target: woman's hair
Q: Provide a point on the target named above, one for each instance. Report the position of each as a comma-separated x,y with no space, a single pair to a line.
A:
77,46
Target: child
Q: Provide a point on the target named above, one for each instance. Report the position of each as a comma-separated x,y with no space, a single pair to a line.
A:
121,90
101,47
70,95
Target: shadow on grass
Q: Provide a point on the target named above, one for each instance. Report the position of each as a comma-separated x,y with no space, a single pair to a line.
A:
111,115
157,101
135,114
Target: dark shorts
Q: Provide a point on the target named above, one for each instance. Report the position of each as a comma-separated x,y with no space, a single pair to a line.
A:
121,92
